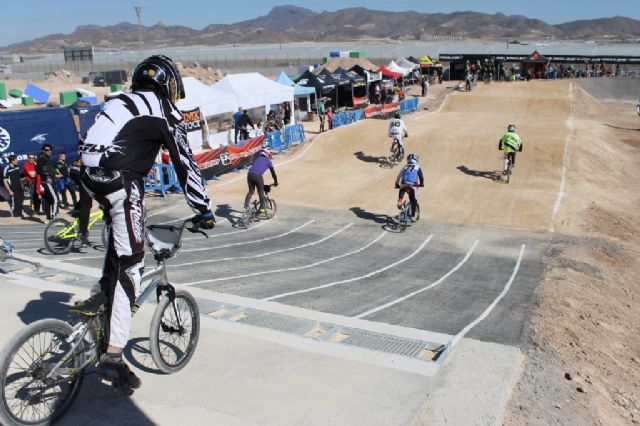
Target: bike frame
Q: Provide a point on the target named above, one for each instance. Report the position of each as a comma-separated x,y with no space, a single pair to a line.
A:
71,231
158,282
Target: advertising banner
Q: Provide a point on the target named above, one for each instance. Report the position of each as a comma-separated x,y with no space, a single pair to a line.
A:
219,161
373,111
193,123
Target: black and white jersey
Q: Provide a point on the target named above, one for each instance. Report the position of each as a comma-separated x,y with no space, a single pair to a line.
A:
128,135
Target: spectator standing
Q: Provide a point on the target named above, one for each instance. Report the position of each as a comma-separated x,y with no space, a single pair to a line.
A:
287,113
329,115
44,182
425,87
13,185
236,127
377,98
29,171
321,114
63,184
280,117
244,122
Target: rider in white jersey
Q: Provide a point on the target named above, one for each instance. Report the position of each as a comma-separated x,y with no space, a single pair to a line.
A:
397,130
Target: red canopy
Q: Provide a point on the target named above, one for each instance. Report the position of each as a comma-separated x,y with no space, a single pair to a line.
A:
388,73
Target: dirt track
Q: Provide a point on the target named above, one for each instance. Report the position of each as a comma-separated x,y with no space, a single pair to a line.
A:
464,134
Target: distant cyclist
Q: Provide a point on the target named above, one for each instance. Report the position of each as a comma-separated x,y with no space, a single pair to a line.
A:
397,130
510,143
409,178
255,180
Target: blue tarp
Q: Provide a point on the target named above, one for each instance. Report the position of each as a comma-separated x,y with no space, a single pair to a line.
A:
24,132
283,78
37,93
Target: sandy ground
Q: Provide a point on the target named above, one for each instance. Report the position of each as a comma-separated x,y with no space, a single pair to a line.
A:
583,351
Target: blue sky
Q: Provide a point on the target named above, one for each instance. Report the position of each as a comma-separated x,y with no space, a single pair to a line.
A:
36,18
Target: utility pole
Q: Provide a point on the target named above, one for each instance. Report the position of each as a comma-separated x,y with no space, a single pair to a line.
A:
139,16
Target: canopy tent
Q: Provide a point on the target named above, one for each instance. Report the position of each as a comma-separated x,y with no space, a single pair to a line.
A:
301,93
342,87
253,90
358,88
338,78
369,75
210,100
413,59
394,67
309,79
406,64
426,60
386,72
298,90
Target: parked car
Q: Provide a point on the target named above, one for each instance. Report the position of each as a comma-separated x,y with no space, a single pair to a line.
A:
107,78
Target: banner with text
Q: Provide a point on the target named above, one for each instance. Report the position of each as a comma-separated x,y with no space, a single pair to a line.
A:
219,161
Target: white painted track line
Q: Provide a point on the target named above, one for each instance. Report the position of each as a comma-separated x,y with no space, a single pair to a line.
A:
370,274
487,311
436,283
295,268
565,155
323,239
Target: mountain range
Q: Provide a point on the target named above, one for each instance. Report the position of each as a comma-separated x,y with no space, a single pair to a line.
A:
295,24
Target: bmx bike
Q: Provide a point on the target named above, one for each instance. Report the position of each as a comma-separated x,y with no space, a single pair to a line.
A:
397,153
43,366
60,235
252,213
403,220
507,168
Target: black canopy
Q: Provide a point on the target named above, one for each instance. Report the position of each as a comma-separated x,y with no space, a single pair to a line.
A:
309,79
355,78
334,77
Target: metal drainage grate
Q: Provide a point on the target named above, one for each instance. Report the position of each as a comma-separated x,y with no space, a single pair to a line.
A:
385,343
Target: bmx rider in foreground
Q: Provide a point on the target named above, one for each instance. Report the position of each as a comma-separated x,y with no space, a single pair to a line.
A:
118,153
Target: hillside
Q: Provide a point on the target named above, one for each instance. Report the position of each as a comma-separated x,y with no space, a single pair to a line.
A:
291,23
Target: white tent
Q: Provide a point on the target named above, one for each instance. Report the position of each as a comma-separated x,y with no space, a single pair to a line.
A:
210,100
397,68
252,90
407,64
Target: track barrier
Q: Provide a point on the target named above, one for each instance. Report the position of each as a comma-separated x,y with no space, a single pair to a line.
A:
162,178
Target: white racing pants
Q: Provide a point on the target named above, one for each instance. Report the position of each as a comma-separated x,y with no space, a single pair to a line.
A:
124,262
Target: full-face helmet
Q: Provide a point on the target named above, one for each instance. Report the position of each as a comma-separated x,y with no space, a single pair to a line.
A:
159,72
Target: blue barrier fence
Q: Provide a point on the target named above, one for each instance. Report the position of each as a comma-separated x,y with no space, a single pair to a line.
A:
162,178
347,117
283,140
409,105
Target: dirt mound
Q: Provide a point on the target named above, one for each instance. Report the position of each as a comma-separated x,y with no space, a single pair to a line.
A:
207,75
347,63
63,76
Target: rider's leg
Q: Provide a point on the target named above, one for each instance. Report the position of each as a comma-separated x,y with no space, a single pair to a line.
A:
413,199
513,159
252,187
259,181
84,210
126,252
400,197
505,163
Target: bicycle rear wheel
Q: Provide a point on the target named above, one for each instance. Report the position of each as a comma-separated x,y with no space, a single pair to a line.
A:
174,331
57,241
28,396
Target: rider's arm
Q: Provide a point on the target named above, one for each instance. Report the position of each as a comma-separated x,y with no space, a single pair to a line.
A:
420,178
404,129
399,178
500,144
273,175
187,171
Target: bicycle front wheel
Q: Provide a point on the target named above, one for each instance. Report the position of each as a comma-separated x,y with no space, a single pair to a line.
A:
31,395
56,237
272,207
174,331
